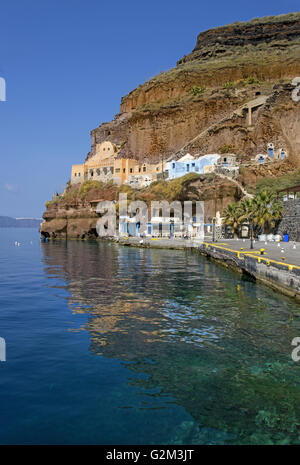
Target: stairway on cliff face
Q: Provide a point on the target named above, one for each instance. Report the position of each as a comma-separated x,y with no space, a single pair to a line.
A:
251,104
237,183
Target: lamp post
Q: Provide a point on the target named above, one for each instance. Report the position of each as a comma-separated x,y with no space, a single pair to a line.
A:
251,231
214,230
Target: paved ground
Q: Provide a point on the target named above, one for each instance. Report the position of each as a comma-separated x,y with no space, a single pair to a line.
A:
289,250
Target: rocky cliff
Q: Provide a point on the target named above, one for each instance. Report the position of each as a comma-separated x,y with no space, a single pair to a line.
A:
73,216
200,106
228,67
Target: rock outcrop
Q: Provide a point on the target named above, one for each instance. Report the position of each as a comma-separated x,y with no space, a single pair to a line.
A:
199,107
74,221
231,65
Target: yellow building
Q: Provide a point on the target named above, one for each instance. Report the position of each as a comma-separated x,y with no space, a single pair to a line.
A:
105,166
77,174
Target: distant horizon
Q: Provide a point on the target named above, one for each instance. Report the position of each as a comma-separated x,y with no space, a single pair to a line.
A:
22,217
66,67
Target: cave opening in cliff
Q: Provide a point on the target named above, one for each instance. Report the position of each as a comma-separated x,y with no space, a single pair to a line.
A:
92,233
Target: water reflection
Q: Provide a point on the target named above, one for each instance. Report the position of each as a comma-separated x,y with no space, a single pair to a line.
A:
218,344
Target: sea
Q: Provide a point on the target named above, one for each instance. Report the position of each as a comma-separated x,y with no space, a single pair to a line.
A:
107,344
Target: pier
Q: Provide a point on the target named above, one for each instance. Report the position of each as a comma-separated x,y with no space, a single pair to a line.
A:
275,264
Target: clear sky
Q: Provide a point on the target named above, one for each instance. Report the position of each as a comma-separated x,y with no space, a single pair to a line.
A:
67,63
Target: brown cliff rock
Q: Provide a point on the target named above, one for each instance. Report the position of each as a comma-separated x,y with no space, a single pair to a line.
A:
161,117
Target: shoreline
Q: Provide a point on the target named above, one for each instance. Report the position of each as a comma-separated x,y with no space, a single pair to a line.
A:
282,277
279,276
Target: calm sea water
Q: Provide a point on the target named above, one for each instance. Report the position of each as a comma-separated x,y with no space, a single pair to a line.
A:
116,345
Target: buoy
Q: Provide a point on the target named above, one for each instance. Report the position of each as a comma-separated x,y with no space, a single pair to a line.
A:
283,258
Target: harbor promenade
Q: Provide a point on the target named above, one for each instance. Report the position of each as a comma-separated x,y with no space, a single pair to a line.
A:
275,264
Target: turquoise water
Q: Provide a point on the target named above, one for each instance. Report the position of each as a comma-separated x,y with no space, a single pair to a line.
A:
116,345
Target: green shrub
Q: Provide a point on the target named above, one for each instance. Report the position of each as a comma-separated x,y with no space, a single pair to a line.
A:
227,149
229,85
49,203
197,90
280,182
251,80
87,186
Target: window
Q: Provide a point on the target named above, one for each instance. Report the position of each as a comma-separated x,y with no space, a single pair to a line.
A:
108,148
131,170
91,173
188,167
193,165
157,169
75,174
173,165
98,172
144,168
78,174
139,170
124,170
117,170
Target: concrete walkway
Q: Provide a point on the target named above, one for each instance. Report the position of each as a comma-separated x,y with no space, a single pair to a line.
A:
278,266
284,252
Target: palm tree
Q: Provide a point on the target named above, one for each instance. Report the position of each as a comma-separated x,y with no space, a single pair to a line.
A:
231,217
267,211
264,211
245,209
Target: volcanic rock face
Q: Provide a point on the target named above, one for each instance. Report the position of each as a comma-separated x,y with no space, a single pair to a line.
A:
272,30
162,119
77,218
232,64
77,221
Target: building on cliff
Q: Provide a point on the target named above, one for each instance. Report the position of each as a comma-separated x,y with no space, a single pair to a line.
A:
189,164
271,155
105,166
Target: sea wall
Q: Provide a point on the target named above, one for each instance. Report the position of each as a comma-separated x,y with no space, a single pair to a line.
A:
290,223
281,277
278,276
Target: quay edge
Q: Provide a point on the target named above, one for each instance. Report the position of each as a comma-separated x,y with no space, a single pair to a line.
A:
281,277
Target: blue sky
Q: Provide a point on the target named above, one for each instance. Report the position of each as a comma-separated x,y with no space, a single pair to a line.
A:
67,64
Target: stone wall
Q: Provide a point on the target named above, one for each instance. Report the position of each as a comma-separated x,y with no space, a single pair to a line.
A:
290,223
